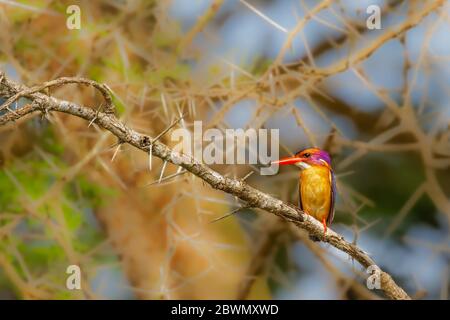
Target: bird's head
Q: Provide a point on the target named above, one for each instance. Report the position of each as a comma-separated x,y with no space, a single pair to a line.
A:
306,158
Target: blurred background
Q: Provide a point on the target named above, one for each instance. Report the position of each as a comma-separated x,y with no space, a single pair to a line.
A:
377,100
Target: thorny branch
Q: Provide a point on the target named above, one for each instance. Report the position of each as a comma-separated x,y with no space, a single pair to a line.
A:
250,196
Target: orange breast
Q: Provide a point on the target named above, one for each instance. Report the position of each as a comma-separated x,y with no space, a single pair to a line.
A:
315,191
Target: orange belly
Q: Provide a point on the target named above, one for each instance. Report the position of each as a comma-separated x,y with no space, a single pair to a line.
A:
315,191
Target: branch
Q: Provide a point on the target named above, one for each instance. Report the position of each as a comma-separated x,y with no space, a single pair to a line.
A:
104,90
251,196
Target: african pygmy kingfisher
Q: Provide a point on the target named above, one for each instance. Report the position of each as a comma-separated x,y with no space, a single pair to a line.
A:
317,186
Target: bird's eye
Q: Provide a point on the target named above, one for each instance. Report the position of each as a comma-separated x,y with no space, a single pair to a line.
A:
307,155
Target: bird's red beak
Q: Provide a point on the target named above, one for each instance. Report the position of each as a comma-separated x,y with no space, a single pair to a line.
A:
288,160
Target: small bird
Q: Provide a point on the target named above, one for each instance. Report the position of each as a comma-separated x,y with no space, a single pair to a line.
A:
317,186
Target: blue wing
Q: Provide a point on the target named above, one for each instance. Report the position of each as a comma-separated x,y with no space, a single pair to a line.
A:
333,197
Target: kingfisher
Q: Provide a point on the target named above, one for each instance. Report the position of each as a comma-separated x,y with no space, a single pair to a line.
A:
317,185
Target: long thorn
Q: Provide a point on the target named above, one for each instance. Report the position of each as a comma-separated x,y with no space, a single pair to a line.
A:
168,128
115,152
247,175
162,171
228,214
176,174
150,156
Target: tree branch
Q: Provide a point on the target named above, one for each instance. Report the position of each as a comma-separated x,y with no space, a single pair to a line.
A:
251,196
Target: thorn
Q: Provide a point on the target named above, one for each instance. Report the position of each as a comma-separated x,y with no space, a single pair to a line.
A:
12,111
162,171
247,175
263,16
150,156
92,121
96,116
181,115
116,151
152,141
229,214
192,107
178,173
167,129
164,104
